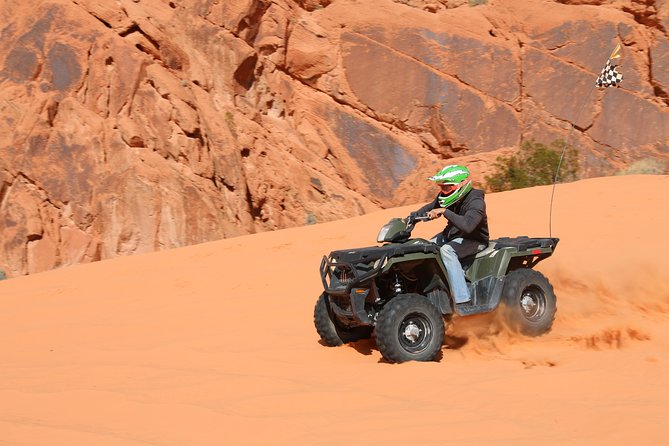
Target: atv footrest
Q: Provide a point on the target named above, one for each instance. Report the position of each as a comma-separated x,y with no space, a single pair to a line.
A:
468,309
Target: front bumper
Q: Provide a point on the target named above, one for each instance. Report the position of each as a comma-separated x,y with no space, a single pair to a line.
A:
345,283
339,278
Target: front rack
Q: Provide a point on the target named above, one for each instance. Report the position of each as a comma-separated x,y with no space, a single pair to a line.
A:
340,277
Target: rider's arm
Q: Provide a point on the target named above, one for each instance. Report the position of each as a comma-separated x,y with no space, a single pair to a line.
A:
468,222
428,207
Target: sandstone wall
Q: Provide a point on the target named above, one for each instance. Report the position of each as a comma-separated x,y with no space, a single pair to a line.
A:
137,125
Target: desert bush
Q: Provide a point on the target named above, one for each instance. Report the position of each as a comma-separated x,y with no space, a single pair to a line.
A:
311,218
534,164
646,166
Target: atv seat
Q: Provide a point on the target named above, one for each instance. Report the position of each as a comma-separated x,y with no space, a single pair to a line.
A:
486,250
466,262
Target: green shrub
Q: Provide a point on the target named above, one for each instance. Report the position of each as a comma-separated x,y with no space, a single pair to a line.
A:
534,164
646,166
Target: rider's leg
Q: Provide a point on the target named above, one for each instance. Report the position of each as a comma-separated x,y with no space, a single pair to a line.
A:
451,252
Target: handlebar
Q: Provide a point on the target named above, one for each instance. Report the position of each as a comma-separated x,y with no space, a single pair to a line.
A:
411,220
416,217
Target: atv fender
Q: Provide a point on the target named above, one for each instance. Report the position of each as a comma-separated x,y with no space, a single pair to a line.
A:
436,293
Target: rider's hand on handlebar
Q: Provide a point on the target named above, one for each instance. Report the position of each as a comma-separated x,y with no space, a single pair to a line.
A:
435,213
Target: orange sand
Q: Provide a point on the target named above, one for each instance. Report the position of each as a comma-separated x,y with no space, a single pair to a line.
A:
214,344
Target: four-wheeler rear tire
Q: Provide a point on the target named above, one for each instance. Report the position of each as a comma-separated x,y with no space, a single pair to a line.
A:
530,302
409,328
330,330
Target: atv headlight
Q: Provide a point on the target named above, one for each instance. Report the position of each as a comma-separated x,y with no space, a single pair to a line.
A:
382,233
383,259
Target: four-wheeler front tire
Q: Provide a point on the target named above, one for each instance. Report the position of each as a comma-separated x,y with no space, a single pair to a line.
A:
409,328
530,301
330,330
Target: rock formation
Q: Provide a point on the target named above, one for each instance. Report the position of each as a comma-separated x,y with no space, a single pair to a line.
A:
137,125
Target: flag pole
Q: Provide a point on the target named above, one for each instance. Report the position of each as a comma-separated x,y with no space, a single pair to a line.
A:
600,82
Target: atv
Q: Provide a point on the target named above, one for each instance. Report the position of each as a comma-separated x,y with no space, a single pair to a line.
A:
399,291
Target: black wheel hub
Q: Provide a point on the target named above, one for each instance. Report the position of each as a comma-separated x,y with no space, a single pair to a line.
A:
415,333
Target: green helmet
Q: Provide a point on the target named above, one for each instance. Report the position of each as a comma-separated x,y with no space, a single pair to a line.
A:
454,175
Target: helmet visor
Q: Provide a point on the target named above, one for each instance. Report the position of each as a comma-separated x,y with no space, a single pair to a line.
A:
448,189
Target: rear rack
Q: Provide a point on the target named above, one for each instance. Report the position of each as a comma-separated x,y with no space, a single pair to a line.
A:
524,243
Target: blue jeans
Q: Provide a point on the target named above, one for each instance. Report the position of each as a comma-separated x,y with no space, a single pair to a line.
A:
451,253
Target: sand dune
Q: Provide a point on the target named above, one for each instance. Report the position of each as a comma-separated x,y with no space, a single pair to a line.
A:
214,344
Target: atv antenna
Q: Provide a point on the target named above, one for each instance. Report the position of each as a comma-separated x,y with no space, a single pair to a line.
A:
608,77
557,171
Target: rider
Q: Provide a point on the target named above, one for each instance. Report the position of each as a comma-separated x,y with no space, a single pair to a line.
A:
467,230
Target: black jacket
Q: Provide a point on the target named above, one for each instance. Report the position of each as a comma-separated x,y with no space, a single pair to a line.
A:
466,218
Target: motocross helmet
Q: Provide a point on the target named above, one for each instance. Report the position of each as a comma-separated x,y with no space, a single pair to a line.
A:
455,176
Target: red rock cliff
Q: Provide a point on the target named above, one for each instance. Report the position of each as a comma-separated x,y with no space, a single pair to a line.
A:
137,125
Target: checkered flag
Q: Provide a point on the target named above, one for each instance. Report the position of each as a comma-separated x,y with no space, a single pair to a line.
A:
610,76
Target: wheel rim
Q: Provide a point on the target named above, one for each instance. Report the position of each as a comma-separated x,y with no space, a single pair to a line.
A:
533,303
415,333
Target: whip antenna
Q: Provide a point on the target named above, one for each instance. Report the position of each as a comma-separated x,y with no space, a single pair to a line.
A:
608,77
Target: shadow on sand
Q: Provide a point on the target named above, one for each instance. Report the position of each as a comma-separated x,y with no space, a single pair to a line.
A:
368,346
